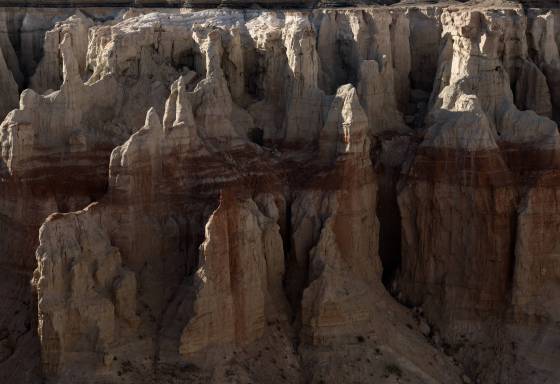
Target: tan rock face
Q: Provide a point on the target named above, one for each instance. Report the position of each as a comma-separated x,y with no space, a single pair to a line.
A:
240,278
86,295
345,250
47,75
254,196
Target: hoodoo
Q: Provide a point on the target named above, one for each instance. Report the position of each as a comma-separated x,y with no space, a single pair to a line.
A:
279,191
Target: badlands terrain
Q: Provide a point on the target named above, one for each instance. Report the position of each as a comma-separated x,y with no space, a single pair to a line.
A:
368,194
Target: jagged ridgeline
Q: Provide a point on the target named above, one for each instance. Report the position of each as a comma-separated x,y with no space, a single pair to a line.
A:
253,3
329,195
192,3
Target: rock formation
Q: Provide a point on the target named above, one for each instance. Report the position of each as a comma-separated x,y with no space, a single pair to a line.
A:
462,199
85,291
361,194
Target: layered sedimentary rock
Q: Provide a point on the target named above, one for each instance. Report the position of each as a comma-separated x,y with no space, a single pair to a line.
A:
463,233
240,278
323,196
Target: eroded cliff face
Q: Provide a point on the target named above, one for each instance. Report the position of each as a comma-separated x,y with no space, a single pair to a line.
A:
325,196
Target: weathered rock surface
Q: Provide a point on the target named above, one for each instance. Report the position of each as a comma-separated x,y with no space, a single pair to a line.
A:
324,196
87,298
462,201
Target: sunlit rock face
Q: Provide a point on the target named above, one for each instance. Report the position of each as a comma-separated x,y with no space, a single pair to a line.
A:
269,196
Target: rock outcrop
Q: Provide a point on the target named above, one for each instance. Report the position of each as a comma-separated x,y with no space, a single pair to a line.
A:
462,201
87,298
239,279
328,195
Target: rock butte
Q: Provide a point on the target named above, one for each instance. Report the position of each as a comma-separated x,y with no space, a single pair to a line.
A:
323,195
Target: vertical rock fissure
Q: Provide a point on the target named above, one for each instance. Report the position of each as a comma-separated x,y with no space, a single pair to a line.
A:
294,292
389,226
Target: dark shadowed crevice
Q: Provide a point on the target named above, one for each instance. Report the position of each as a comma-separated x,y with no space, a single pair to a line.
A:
296,277
392,155
256,135
389,225
425,43
289,263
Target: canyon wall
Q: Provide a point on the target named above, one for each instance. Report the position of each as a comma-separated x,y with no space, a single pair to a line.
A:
280,196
